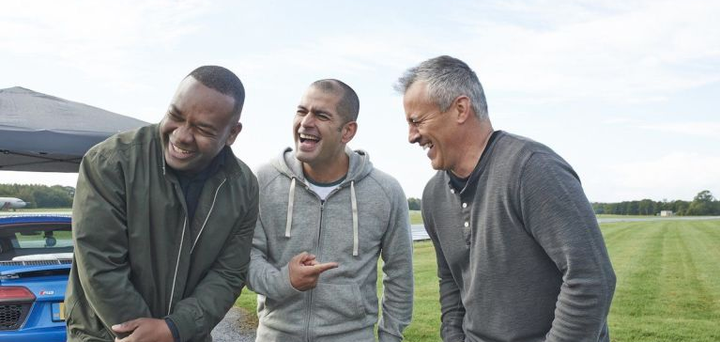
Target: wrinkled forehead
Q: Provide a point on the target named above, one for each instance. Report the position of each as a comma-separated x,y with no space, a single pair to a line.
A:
193,97
317,97
417,95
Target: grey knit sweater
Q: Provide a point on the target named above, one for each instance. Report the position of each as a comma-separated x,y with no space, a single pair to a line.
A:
520,255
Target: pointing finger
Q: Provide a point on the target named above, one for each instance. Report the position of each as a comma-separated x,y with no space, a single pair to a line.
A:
320,268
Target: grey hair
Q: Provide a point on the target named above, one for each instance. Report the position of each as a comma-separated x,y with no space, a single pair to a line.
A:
446,78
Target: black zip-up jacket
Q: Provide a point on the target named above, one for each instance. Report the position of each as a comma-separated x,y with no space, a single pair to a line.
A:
135,253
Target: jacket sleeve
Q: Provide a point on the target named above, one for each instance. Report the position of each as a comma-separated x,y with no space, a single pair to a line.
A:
451,307
397,252
558,215
263,277
101,243
197,314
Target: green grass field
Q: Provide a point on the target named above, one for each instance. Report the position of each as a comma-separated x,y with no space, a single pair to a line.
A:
601,216
668,287
415,217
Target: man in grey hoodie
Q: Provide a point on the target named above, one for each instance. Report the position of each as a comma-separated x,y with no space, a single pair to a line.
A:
520,255
325,216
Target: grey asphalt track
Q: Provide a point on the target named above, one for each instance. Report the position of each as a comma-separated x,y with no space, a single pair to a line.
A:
232,329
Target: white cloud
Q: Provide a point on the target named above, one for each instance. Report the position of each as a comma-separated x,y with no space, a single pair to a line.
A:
681,174
602,51
46,178
620,121
700,129
98,38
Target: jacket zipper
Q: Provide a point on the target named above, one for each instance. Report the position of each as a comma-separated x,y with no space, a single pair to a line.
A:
319,250
182,238
217,191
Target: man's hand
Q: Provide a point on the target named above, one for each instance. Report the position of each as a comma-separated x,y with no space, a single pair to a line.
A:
144,330
305,271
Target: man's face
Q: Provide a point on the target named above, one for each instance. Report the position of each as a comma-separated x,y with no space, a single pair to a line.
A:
429,127
198,124
320,132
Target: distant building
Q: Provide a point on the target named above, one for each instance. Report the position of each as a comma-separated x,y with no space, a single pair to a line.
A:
666,213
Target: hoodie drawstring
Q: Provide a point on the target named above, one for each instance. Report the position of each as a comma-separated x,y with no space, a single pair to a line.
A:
353,199
291,203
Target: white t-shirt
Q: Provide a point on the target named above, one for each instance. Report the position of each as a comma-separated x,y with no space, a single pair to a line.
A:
322,190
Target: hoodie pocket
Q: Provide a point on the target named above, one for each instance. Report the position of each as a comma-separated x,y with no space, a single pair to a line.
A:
337,303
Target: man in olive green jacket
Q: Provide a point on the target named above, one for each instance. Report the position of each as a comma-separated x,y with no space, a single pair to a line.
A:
163,221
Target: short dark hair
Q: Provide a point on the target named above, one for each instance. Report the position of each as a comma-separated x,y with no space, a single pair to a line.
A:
349,106
222,80
447,78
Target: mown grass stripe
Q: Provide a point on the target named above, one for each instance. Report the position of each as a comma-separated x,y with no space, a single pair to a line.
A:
683,295
704,250
638,284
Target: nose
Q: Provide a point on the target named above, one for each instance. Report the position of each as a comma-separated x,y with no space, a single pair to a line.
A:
182,135
413,134
308,120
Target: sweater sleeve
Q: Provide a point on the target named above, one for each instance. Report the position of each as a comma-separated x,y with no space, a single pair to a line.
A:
397,299
558,215
101,242
451,307
216,293
264,278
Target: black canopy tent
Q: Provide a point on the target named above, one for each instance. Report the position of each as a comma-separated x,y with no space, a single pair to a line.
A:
44,133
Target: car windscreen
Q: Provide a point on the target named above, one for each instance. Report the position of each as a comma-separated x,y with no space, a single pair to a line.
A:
33,239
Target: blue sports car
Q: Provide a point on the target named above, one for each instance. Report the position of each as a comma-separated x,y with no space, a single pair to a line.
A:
35,260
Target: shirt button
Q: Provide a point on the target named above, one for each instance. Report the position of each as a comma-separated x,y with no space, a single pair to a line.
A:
452,191
464,205
467,224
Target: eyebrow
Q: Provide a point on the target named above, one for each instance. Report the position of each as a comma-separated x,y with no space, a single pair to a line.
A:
175,110
315,110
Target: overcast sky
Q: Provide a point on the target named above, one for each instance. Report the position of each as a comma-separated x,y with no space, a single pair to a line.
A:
626,91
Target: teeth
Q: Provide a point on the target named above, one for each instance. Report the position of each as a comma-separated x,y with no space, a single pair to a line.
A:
308,137
183,151
427,146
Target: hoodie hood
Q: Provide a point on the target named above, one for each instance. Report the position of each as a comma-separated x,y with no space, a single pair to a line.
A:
359,167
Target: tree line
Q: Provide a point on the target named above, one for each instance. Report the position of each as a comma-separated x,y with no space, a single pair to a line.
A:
703,204
40,196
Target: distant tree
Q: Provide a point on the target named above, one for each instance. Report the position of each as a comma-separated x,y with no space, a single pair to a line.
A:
414,203
40,196
680,207
702,204
646,207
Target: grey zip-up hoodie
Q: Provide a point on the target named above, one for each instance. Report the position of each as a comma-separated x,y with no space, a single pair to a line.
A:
365,217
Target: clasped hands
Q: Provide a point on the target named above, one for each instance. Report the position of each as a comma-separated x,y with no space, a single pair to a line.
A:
144,330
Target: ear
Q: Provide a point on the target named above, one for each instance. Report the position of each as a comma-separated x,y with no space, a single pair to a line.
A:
463,108
233,134
348,131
